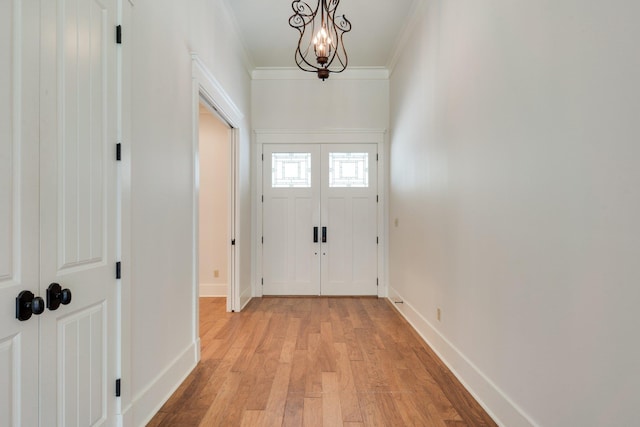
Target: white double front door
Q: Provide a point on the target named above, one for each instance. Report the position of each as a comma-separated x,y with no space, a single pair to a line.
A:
319,219
58,126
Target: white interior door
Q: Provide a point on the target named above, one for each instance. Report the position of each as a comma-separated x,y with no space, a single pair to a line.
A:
19,213
349,213
291,211
319,219
78,132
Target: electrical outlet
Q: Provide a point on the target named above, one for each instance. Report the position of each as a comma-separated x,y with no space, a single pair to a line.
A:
439,314
216,273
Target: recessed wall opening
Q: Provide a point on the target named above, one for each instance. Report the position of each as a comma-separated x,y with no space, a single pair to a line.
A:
213,204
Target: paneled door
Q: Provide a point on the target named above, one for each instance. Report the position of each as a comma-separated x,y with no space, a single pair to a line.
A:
349,219
58,224
19,210
319,219
291,218
78,124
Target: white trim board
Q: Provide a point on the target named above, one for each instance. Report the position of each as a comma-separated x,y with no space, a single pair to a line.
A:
208,90
294,73
497,404
149,401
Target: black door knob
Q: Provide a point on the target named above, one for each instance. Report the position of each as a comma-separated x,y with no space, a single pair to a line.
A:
27,304
56,296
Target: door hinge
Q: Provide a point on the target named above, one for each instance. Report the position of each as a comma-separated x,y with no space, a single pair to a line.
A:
119,34
262,199
377,282
262,240
376,157
377,198
262,281
263,157
233,242
118,151
118,387
377,240
118,270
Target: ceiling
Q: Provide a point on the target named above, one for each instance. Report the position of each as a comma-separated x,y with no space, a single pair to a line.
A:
377,28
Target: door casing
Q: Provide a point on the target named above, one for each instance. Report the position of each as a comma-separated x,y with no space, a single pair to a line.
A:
207,90
363,136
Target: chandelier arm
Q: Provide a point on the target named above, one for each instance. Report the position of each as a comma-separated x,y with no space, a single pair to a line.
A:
303,15
340,52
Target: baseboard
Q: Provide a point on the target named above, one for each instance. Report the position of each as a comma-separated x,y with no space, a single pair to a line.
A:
213,290
149,401
497,404
245,298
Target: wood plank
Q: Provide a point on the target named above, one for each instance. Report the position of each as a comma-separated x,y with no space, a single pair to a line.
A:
291,336
348,396
293,411
219,412
331,409
312,412
313,375
278,396
253,418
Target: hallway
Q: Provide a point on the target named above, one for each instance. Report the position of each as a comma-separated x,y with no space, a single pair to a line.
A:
316,361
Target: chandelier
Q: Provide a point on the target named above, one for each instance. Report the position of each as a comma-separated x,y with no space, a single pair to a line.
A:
320,48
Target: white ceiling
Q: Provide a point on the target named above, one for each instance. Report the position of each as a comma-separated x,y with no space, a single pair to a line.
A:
377,28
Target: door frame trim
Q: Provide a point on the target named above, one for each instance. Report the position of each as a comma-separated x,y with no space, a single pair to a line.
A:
323,136
208,90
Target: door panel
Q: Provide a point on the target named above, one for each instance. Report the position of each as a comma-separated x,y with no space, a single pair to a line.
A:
78,209
19,257
291,210
81,351
349,211
84,37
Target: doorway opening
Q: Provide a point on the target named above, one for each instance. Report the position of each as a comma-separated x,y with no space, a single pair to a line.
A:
215,160
213,204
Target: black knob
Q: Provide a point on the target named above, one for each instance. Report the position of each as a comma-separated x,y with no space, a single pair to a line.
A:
37,305
27,304
65,296
56,296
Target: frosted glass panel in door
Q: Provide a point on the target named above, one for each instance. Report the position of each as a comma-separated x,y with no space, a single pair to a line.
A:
348,170
291,170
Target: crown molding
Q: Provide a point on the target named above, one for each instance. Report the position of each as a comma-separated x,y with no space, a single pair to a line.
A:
293,73
415,16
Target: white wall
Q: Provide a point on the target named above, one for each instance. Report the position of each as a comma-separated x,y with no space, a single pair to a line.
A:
293,99
514,179
214,204
163,340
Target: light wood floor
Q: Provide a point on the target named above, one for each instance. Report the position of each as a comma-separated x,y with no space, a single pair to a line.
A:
314,362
